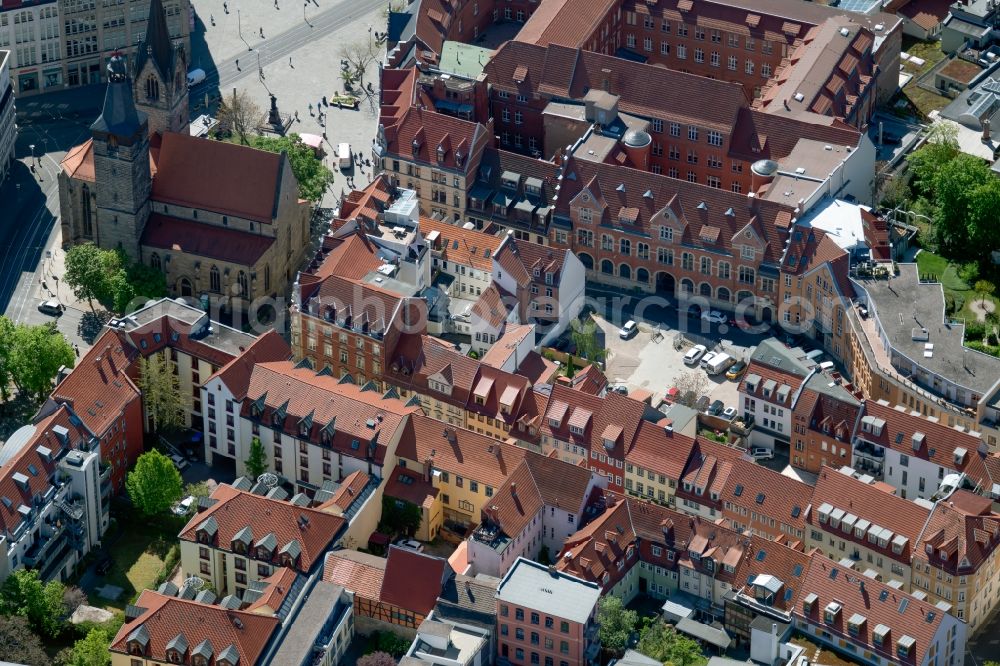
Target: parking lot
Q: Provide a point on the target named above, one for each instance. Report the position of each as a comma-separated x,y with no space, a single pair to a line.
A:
653,359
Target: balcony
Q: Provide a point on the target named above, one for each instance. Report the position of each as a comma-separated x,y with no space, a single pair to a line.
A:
869,458
41,549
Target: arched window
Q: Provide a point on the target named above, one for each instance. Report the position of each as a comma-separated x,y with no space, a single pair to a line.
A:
625,271
88,220
723,294
705,289
152,88
607,267
687,286
244,285
642,275
587,261
154,262
214,281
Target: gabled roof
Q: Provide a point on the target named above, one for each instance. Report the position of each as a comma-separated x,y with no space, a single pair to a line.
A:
660,451
758,489
419,133
243,182
565,22
362,573
413,580
521,259
467,247
309,531
99,388
458,451
236,374
354,419
164,617
191,238
963,532
156,46
877,603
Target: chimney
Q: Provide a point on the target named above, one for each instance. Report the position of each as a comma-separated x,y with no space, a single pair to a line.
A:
752,202
986,130
552,571
513,489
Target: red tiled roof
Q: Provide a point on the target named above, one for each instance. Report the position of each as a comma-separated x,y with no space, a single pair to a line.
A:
520,259
410,486
589,379
350,257
467,247
204,240
963,533
419,132
358,572
928,14
644,90
565,22
458,451
534,484
78,163
99,387
357,417
27,485
218,176
490,308
764,491
314,531
662,452
877,602
166,617
413,580
347,492
279,584
236,374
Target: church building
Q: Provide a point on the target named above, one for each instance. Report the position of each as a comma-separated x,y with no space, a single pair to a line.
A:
219,219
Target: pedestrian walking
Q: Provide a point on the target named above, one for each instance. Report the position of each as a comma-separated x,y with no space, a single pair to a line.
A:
296,116
310,108
225,7
76,349
238,65
262,32
290,62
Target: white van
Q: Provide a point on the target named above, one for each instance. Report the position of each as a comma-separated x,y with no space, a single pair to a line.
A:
719,363
195,76
344,157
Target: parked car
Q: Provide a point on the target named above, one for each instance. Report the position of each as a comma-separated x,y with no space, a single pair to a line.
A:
716,408
628,330
104,565
736,370
760,453
719,363
179,462
618,388
182,507
713,316
729,413
411,544
692,356
51,307
707,358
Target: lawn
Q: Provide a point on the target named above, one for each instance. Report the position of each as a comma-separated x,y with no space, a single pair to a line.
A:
924,100
945,272
139,553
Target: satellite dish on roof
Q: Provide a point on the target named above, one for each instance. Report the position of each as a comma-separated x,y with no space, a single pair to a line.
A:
268,480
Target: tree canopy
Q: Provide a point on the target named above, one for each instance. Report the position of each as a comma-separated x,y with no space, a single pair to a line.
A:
616,624
161,392
24,594
313,176
108,277
30,356
256,459
399,517
154,484
662,642
91,650
19,644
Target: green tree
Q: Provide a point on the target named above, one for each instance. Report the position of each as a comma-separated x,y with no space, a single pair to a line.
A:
154,484
940,148
24,594
584,336
161,392
313,176
92,649
985,288
196,490
662,642
146,281
256,459
7,333
88,273
616,624
399,516
391,643
19,644
954,184
37,354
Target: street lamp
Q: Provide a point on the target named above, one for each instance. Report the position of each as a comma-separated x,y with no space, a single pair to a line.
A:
304,5
239,28
32,148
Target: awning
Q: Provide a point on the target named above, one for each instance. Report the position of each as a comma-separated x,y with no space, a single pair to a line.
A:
703,632
312,140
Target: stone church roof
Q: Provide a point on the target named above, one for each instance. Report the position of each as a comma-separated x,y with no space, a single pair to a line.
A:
156,45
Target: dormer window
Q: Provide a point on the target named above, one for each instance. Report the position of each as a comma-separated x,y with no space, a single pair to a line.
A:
303,430
175,657
548,278
276,420
831,612
459,158
536,272
136,648
440,153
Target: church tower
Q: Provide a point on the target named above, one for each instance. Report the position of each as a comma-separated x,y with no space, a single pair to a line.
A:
161,76
121,164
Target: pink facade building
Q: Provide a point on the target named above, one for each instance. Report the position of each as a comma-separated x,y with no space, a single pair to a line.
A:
546,617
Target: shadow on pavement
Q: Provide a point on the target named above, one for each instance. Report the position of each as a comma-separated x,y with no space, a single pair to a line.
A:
25,224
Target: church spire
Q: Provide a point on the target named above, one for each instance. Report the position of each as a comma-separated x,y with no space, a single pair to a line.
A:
119,116
156,45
